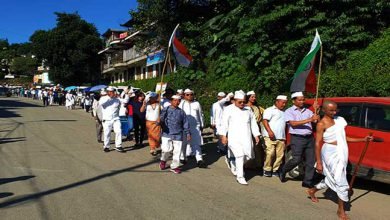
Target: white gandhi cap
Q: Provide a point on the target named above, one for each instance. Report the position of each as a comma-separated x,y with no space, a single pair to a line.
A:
250,93
281,97
188,91
239,94
221,94
296,94
110,89
176,97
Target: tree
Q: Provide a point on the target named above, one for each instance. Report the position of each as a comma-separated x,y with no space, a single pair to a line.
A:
24,65
70,50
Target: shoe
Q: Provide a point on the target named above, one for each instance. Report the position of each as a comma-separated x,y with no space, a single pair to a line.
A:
106,149
282,177
202,164
267,173
120,149
241,180
153,153
176,171
100,141
163,165
275,174
184,162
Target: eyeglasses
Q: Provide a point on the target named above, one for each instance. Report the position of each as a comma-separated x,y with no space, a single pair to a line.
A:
240,102
189,94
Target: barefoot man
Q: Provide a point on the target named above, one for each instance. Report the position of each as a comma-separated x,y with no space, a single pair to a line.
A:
332,158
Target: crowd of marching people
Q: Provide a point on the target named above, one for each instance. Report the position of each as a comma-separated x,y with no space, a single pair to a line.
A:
249,136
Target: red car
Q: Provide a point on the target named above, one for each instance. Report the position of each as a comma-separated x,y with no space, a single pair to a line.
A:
365,115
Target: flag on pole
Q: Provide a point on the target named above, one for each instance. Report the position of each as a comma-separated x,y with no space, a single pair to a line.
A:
179,49
304,78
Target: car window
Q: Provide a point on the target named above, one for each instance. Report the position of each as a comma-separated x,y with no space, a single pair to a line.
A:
378,117
351,113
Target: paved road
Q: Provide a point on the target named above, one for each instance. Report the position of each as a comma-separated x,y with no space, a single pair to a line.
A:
51,167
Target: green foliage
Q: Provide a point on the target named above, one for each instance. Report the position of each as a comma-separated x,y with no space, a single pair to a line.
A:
366,72
257,45
70,50
24,65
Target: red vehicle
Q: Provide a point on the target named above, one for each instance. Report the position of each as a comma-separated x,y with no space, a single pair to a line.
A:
365,115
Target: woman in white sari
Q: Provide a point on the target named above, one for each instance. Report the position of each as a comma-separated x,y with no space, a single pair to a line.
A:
332,158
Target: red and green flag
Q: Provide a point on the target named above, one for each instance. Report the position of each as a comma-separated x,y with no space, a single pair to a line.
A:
305,78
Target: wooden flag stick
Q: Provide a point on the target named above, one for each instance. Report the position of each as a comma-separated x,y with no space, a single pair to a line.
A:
358,165
319,74
318,83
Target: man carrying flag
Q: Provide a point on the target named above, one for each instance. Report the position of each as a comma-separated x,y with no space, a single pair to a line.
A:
300,119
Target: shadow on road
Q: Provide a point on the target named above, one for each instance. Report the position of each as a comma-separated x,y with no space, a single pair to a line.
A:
10,140
5,194
14,179
7,106
38,195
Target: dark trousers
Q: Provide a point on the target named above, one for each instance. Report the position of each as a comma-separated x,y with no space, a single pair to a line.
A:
139,129
45,101
302,146
99,130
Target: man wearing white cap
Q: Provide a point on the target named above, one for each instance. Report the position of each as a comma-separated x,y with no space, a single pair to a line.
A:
180,93
194,114
216,118
300,121
240,124
110,105
274,136
175,128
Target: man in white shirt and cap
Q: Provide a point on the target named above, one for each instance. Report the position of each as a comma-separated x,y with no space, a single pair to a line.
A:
274,133
238,127
216,118
194,114
110,105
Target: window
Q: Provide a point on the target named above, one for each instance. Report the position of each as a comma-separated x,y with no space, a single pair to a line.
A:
378,117
351,113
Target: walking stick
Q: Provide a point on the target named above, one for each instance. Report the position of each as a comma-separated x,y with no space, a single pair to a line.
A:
358,166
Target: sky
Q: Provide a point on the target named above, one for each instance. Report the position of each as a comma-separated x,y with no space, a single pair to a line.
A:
19,19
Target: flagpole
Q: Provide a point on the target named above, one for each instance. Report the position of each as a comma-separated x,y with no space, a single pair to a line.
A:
166,58
319,76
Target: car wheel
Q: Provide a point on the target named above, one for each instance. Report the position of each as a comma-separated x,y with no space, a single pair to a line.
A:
298,171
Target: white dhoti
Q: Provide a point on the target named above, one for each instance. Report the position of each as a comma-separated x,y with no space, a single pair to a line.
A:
194,146
334,160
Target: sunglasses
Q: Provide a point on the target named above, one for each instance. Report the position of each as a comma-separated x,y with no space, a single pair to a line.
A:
240,102
189,94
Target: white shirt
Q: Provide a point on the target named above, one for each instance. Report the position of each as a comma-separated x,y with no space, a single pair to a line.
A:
194,113
152,114
216,113
44,93
165,103
124,98
240,125
276,121
110,108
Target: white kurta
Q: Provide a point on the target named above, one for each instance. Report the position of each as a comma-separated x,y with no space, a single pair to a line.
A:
124,98
69,99
216,114
239,125
194,114
335,159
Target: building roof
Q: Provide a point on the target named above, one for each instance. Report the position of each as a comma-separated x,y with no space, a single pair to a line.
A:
109,31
